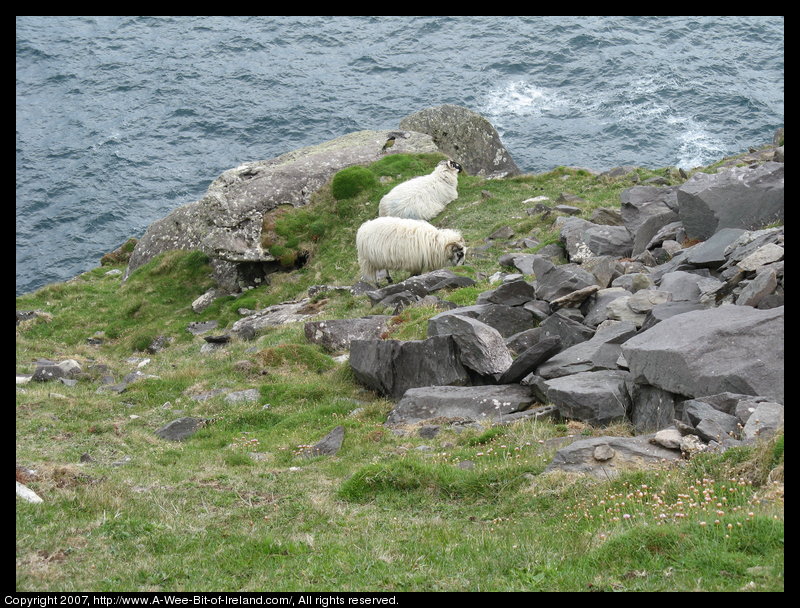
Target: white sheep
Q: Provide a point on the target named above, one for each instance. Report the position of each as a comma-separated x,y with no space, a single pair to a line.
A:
423,197
393,243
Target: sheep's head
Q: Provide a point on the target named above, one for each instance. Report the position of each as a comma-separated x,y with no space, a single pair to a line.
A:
450,165
456,253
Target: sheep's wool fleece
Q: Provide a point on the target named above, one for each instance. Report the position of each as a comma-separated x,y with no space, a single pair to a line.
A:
422,197
392,243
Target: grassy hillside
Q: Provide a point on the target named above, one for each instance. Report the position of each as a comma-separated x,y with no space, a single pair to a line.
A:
238,506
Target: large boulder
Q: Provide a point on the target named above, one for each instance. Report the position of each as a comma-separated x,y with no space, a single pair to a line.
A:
598,397
585,240
646,210
741,197
466,137
226,224
390,367
481,347
704,352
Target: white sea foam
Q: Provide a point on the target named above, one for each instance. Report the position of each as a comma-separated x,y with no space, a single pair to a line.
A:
696,146
520,98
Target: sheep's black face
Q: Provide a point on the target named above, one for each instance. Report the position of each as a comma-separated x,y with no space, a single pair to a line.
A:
457,254
454,165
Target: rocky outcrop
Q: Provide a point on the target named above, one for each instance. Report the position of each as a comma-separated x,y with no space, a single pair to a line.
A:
466,137
226,224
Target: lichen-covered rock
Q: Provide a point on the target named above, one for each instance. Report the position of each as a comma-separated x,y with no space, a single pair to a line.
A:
335,335
226,224
466,137
585,240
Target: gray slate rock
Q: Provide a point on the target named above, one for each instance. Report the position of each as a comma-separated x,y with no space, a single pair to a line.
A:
335,335
601,351
467,402
466,137
598,398
530,360
665,310
585,240
328,445
595,308
741,197
651,408
553,281
709,423
481,347
616,454
765,421
508,320
273,316
49,370
729,348
512,293
181,429
711,253
566,329
645,211
420,285
390,367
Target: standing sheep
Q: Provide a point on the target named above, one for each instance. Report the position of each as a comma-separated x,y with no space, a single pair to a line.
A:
423,197
393,243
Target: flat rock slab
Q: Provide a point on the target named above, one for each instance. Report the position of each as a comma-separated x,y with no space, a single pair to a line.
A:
467,402
335,335
273,316
605,457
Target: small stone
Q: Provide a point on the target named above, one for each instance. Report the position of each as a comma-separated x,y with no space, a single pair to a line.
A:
668,438
181,428
25,493
429,431
603,452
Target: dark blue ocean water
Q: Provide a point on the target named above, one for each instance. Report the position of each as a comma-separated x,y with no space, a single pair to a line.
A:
121,119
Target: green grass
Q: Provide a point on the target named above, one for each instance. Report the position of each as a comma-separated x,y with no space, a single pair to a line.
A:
238,506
